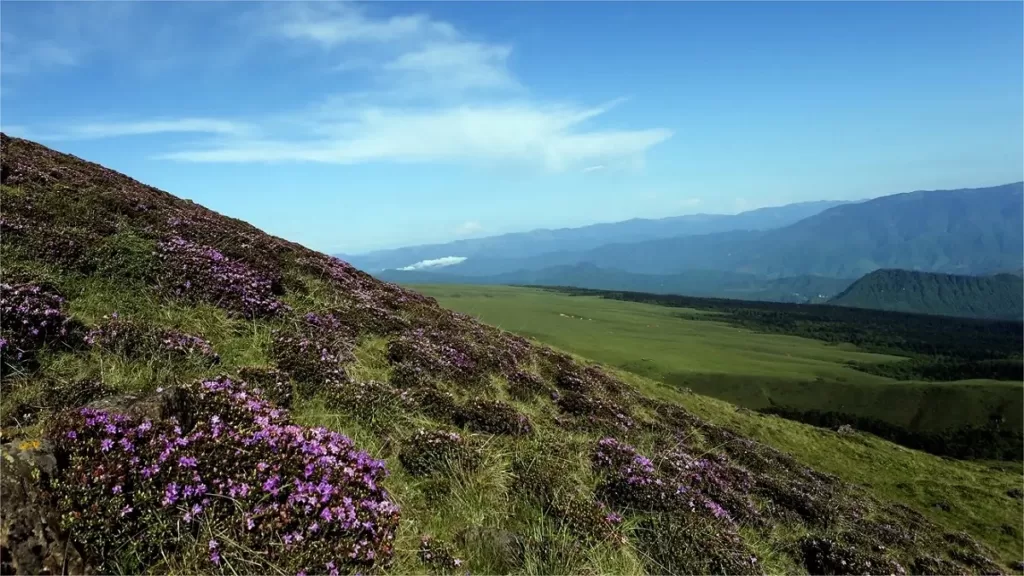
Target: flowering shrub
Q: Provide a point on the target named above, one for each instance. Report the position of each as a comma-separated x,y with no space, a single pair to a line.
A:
493,417
30,318
310,360
436,353
304,497
590,520
430,451
271,383
134,339
200,272
524,385
632,481
438,555
595,412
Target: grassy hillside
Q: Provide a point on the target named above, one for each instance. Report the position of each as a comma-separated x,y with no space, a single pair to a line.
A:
999,296
185,394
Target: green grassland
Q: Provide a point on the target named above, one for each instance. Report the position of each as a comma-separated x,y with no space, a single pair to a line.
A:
652,344
689,349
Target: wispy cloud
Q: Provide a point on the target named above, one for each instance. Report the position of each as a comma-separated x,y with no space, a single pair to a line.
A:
551,137
593,168
99,130
336,23
425,92
435,263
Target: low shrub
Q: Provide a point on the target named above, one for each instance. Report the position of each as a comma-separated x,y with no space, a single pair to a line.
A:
306,498
433,451
493,417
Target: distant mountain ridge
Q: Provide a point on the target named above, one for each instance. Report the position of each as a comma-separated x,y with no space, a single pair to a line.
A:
1000,296
537,242
707,283
967,231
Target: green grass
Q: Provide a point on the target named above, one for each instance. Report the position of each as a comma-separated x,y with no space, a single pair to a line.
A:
687,348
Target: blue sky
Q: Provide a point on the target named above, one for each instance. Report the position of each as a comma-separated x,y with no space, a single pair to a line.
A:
350,127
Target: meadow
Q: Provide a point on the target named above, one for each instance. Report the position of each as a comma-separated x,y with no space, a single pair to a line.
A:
697,349
696,360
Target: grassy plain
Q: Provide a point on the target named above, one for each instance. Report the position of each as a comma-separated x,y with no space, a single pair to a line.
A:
689,349
662,353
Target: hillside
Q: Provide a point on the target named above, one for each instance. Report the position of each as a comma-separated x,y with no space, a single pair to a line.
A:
184,393
710,283
970,231
999,296
538,242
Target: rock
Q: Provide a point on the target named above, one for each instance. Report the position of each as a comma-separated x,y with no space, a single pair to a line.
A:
163,404
845,430
31,541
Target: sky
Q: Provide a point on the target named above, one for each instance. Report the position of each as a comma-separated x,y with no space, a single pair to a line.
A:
353,127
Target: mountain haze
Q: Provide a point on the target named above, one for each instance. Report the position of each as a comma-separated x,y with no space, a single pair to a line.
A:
966,231
537,242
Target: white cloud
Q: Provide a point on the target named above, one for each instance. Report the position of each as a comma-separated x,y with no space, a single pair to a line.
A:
552,137
470,227
100,130
336,23
593,168
435,263
429,93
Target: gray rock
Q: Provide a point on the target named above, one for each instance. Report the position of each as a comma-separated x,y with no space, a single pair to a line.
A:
31,541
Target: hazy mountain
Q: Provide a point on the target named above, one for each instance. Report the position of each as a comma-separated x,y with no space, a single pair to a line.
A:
710,283
536,242
969,231
999,296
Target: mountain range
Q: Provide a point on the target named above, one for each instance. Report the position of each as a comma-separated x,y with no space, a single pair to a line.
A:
520,245
821,247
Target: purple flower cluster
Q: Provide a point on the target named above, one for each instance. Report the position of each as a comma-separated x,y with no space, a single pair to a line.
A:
30,318
200,272
304,496
437,353
631,480
312,359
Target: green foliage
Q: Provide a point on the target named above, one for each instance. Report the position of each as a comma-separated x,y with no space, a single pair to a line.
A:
999,296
